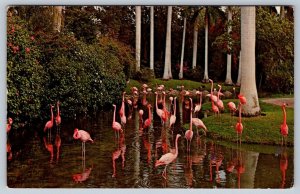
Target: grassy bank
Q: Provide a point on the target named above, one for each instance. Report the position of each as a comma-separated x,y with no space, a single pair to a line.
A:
259,130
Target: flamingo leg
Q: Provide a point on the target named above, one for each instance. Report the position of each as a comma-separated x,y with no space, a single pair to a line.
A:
164,173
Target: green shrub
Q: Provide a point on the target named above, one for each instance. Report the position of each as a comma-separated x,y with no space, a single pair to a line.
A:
25,75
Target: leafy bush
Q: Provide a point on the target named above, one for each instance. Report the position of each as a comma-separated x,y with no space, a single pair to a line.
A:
275,51
25,75
85,77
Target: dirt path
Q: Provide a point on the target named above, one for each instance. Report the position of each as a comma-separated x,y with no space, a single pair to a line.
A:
278,101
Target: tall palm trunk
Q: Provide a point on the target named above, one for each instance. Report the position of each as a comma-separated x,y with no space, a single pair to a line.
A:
238,82
57,18
182,49
228,72
248,82
205,79
138,37
195,43
167,69
151,37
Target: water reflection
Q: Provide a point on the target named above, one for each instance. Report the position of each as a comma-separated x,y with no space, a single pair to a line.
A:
129,162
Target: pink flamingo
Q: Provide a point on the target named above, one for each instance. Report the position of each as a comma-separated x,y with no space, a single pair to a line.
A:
49,147
231,107
166,112
198,106
122,111
115,125
214,108
189,132
284,129
9,124
173,116
159,112
57,118
148,121
219,101
57,144
84,137
211,96
239,125
199,124
167,158
49,124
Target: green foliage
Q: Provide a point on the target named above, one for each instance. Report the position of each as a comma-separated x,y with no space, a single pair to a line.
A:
25,75
85,77
275,51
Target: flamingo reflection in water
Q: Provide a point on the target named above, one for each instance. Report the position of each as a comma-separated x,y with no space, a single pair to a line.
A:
81,177
57,144
49,146
120,151
216,159
283,165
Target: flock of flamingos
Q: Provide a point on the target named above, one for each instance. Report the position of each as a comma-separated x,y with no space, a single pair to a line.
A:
165,115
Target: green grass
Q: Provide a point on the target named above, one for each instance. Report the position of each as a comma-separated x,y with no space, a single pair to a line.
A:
257,130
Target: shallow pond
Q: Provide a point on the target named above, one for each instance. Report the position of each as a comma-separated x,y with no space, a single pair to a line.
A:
129,162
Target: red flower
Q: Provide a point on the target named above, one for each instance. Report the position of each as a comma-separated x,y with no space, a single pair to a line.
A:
15,49
12,29
27,50
32,37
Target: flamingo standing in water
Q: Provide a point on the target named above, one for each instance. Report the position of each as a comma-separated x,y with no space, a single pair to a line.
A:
9,124
84,137
57,118
122,110
211,95
148,121
49,124
189,132
115,125
284,129
167,158
173,116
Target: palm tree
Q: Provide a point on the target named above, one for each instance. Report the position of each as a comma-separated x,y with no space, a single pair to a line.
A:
206,79
248,83
228,80
238,82
183,43
57,18
138,37
151,37
167,71
195,39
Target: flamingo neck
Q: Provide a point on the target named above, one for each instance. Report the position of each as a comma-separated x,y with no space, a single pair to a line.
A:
176,146
211,89
51,114
284,115
175,107
191,124
240,113
200,98
219,92
114,119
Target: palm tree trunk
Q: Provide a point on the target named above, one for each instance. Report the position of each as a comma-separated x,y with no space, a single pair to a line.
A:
138,37
228,72
195,43
151,37
167,69
182,49
205,79
238,82
248,82
57,18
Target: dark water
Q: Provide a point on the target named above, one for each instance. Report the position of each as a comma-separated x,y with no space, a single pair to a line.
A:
129,161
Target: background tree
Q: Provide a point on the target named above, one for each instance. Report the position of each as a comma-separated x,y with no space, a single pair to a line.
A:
138,37
167,70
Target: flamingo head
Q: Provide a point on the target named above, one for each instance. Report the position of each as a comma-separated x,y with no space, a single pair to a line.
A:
219,86
76,130
242,99
210,80
58,103
178,135
10,120
149,106
114,105
283,105
51,106
171,98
